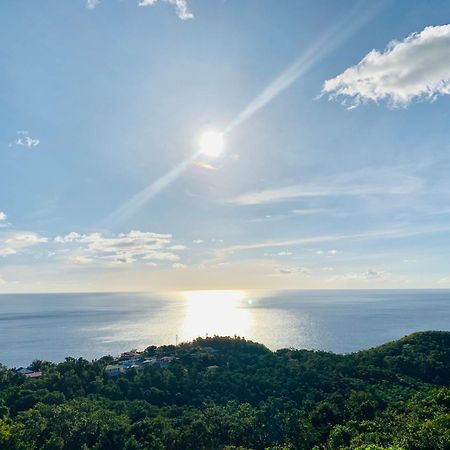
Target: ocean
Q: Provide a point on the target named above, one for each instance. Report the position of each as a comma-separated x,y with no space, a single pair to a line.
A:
54,326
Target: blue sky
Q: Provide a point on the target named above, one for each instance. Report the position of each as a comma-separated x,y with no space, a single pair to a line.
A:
335,162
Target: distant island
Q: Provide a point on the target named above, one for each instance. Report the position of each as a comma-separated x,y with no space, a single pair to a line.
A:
233,394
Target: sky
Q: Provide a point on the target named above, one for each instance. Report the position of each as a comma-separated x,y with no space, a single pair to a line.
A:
334,117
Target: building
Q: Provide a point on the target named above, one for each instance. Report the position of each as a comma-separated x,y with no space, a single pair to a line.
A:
114,370
29,373
36,374
130,356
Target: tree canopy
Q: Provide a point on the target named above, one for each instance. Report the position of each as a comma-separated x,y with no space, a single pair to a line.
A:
230,393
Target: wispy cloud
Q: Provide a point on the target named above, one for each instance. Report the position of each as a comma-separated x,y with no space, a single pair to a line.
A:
292,214
181,7
382,181
25,140
416,68
394,233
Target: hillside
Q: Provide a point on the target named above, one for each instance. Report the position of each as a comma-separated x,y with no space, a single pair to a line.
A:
229,393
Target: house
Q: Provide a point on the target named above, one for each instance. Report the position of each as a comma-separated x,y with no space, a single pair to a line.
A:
37,374
136,362
29,373
114,370
24,370
129,356
161,361
165,361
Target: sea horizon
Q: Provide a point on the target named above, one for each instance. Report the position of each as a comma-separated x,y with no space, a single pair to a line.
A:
53,326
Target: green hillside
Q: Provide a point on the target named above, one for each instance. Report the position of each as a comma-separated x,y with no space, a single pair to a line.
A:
229,393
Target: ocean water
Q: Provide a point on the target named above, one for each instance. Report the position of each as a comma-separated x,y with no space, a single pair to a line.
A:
53,326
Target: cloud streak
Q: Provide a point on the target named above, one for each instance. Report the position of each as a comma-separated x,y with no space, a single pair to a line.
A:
394,233
416,68
364,182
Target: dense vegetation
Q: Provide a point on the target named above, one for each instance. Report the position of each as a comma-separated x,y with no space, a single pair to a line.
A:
392,397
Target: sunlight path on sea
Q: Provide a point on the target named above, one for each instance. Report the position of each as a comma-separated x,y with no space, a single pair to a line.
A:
215,312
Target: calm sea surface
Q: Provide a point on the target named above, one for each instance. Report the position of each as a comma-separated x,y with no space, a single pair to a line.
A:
53,326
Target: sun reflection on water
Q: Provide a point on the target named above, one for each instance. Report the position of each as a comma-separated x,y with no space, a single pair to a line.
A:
224,313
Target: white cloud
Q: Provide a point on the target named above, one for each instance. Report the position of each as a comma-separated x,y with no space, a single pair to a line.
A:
72,236
124,248
292,271
181,7
92,4
161,256
364,182
328,253
177,247
81,259
368,275
415,68
445,281
7,251
24,140
179,266
16,242
197,241
309,211
284,253
3,220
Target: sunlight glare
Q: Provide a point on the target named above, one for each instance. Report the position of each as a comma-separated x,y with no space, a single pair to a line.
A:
211,144
215,312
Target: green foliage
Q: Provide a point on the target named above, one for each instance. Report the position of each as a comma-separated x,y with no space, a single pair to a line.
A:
393,397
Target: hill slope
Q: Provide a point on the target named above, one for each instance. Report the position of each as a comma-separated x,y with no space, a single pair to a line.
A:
229,393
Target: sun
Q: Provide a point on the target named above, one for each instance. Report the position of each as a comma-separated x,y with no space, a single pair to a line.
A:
211,144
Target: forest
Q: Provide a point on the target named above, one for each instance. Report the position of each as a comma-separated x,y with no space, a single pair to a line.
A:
233,394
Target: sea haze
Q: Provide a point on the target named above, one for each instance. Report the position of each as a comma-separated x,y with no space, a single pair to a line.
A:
53,326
